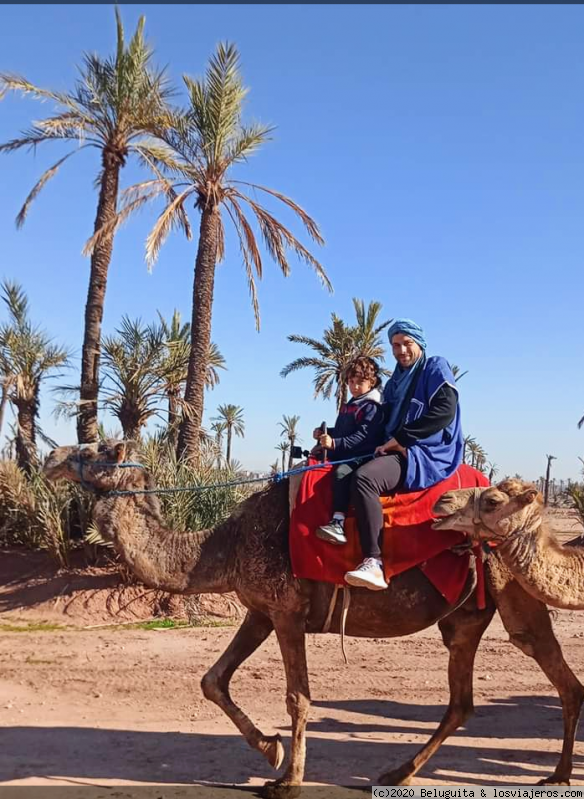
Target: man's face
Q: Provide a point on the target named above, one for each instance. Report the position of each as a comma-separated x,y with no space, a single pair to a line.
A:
406,351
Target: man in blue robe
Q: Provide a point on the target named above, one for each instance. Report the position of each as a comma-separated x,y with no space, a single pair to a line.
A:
423,442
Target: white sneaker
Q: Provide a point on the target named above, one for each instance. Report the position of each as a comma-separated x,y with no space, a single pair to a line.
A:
368,574
333,532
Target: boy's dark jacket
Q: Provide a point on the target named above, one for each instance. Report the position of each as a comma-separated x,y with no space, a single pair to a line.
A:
358,428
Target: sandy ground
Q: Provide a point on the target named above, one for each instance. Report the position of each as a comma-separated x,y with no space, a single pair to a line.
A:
123,707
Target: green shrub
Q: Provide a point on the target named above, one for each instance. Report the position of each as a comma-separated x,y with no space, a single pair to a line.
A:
38,514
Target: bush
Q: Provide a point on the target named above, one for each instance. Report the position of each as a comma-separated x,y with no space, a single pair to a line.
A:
192,510
576,494
40,515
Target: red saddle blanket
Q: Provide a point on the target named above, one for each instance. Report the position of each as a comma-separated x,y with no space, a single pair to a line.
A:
408,538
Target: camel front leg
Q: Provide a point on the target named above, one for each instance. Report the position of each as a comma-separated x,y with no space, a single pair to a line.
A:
527,621
461,633
290,630
254,630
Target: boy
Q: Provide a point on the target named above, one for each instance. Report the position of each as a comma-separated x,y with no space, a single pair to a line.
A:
357,431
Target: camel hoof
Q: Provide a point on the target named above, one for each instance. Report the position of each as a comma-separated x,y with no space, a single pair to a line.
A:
553,781
278,789
399,776
272,749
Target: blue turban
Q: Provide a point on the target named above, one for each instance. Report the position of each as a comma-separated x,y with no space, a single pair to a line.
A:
408,328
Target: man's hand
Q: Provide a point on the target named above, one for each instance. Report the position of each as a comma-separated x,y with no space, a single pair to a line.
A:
326,441
390,446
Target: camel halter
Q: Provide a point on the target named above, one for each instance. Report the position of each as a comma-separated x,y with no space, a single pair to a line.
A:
124,465
478,521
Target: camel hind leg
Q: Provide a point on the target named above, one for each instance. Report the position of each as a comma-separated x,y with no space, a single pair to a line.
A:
290,629
461,633
528,623
253,631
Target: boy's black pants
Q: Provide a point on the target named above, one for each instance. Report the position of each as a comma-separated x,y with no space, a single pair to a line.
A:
361,484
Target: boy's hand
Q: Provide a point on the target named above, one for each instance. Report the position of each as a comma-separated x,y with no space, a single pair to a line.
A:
390,446
316,433
326,441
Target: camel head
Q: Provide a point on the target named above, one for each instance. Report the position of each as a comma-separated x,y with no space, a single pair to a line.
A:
95,466
493,513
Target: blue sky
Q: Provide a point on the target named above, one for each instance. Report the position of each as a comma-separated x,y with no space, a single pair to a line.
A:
439,148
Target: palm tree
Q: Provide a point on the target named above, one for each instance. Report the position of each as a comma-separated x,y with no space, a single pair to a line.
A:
28,357
341,343
200,149
274,468
232,417
134,384
6,380
458,375
493,470
284,447
289,429
550,458
174,366
115,100
481,459
219,428
475,450
468,442
215,361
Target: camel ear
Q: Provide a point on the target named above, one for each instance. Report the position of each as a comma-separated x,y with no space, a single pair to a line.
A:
120,452
529,496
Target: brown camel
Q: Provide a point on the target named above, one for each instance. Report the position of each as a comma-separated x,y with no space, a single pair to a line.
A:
248,554
510,515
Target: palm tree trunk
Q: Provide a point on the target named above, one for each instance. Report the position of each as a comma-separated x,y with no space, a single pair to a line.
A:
290,458
229,446
173,419
130,426
341,395
3,401
550,458
26,452
100,260
204,282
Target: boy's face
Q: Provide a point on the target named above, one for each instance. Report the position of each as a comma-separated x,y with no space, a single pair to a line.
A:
359,385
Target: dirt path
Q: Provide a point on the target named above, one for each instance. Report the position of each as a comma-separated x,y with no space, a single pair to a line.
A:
124,706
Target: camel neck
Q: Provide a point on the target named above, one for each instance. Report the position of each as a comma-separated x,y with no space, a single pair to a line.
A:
170,560
548,571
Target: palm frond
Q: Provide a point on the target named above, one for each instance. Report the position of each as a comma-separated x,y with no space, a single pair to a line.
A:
277,237
118,220
247,256
308,222
167,220
247,142
18,83
43,180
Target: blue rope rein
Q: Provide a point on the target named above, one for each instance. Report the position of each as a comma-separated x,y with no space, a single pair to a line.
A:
275,478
